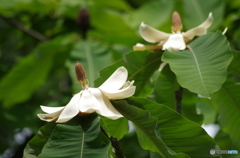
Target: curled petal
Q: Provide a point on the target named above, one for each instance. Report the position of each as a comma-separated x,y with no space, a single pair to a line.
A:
106,108
176,42
152,35
116,80
208,22
197,31
71,109
127,91
50,117
88,103
51,109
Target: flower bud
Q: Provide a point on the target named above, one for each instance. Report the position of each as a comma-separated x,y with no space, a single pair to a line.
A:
176,22
80,73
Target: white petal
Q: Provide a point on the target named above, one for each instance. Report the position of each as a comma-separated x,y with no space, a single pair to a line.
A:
208,22
50,117
152,35
71,109
106,108
197,31
127,91
51,109
88,103
116,80
176,42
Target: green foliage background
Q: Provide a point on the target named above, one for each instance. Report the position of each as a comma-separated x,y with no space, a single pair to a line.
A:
40,41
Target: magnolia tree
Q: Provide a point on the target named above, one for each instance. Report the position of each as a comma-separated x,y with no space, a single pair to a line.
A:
194,64
105,82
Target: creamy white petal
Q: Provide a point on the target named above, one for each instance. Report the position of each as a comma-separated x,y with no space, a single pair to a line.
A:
127,91
88,103
106,108
208,22
152,35
176,42
51,109
50,117
197,31
116,80
71,109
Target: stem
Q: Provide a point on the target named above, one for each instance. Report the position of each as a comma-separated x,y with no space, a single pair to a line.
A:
115,144
28,31
178,96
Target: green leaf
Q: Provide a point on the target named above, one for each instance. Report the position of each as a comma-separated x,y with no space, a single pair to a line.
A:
165,87
196,11
35,145
92,55
227,102
146,126
207,109
203,68
30,72
178,133
234,66
140,65
115,128
80,137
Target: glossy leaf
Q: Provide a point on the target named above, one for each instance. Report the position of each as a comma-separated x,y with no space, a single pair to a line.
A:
203,68
147,128
80,137
178,133
227,102
140,65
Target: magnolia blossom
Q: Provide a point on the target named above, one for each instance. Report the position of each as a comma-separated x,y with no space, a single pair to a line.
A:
91,100
177,40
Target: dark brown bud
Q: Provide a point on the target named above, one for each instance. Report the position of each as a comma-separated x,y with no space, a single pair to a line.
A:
83,21
176,22
80,73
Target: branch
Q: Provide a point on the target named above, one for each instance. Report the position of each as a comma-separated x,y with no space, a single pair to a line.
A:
178,96
28,31
115,144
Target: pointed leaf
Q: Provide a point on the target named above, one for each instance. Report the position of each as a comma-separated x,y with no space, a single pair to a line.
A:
203,68
147,128
81,137
140,65
178,133
227,102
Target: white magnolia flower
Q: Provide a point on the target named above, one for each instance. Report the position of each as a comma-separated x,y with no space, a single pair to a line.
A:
91,100
177,40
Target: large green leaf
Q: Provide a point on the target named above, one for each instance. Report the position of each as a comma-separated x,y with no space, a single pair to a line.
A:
30,72
115,128
147,128
203,67
196,11
235,66
227,102
93,55
140,65
80,137
177,132
35,145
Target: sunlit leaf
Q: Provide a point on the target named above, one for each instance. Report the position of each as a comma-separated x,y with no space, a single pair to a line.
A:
203,68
